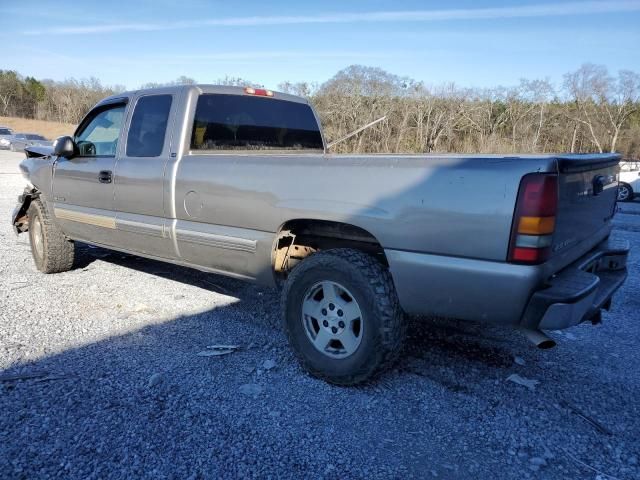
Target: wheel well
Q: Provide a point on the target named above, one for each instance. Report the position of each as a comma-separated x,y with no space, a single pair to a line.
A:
300,238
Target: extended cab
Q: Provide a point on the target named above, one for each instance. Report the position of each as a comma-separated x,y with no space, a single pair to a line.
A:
239,182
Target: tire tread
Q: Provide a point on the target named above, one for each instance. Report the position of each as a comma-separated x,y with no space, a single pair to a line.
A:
393,326
59,252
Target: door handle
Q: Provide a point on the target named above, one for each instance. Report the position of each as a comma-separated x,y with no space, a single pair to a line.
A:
105,176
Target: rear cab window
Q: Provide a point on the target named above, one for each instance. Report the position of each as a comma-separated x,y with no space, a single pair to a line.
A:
225,122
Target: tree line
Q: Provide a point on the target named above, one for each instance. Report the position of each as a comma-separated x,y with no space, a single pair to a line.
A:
591,111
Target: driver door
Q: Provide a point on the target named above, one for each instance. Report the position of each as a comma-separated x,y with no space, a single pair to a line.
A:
83,185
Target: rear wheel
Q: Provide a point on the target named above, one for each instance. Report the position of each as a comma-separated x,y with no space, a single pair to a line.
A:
625,192
342,316
52,251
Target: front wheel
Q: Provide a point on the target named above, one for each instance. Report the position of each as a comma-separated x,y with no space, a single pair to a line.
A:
52,251
342,316
625,192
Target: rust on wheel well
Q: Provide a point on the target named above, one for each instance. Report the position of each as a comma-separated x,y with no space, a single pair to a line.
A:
300,238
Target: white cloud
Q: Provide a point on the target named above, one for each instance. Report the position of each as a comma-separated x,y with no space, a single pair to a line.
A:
235,57
526,11
275,54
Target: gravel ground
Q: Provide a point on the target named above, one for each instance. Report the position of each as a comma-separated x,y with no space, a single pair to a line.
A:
118,389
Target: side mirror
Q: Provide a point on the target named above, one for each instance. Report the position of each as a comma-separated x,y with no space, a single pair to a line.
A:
64,147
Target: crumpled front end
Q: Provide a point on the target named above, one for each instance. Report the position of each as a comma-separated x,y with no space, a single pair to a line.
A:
37,169
19,217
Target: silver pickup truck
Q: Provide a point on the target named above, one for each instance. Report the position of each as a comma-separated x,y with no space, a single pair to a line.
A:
238,181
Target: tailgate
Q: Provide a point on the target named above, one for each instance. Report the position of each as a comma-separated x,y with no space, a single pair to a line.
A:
586,203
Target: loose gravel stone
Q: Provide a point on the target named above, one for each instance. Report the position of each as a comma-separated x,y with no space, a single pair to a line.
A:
268,364
251,389
519,361
155,380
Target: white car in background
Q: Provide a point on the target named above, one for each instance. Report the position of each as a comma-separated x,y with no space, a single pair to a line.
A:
628,181
5,137
20,141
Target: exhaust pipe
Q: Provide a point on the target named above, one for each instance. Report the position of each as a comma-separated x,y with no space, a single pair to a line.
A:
538,338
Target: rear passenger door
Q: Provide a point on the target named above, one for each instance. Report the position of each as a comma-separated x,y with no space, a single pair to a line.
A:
140,173
221,199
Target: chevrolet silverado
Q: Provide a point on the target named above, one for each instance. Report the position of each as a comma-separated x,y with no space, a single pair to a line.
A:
239,182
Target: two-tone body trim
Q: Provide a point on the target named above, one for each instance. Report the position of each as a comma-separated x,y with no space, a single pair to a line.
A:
87,218
189,232
214,236
217,241
142,224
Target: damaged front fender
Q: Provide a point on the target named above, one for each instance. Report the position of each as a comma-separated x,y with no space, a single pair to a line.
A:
19,218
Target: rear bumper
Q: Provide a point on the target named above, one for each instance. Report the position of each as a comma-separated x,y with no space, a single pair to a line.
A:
508,294
579,292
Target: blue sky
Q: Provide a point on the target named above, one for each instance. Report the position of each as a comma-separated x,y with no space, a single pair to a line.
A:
479,43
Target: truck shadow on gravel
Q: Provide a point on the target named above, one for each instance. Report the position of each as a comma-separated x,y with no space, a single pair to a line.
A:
466,340
433,346
87,254
144,404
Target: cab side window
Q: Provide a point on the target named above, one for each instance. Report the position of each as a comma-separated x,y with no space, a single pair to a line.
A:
149,126
99,132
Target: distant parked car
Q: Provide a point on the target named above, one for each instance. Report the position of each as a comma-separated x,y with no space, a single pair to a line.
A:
628,181
20,141
5,137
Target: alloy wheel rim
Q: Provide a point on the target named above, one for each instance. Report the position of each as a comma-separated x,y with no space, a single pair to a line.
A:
623,193
332,319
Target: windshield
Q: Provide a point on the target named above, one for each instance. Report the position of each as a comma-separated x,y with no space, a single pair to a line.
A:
31,136
5,131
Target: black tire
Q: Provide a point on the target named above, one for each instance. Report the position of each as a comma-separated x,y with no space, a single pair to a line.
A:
57,252
625,197
383,323
12,147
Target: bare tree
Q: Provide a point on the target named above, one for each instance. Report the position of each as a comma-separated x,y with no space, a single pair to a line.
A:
593,110
623,103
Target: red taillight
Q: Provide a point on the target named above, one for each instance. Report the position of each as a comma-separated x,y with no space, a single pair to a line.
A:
529,255
539,195
534,219
261,92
